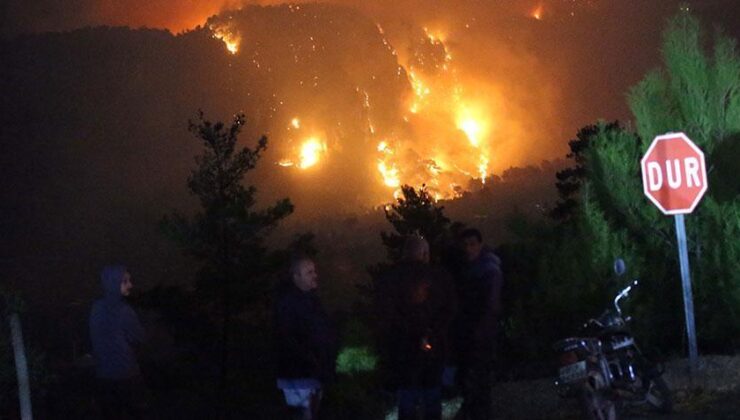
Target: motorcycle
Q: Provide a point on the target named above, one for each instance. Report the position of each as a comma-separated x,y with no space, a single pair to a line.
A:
605,368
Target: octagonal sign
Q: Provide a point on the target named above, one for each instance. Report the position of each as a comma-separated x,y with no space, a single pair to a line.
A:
674,175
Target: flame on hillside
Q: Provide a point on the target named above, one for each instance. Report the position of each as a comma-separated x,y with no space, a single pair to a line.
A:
228,35
438,100
538,12
444,131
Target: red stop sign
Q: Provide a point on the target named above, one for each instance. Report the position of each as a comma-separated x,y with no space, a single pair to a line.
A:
674,175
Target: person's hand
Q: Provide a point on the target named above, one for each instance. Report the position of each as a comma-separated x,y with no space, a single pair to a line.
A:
425,345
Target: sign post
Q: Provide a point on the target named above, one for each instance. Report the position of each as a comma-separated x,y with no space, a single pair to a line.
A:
674,178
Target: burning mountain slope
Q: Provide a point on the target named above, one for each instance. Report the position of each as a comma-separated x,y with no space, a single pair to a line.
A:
352,107
342,102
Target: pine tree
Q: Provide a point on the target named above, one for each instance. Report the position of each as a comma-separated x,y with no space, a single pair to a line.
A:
570,180
227,234
697,92
416,212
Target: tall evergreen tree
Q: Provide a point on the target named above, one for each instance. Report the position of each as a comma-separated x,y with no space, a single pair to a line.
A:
570,180
697,91
227,234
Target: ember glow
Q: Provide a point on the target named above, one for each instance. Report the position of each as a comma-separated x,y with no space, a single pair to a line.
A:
389,174
311,151
309,154
538,11
473,123
229,36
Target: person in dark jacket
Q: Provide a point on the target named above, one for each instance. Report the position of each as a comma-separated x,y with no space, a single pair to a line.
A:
306,341
475,329
416,304
115,331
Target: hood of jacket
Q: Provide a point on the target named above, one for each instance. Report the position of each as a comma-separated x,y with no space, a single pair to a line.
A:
110,280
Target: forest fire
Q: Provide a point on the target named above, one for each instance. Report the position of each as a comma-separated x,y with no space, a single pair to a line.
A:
230,37
311,152
538,12
422,117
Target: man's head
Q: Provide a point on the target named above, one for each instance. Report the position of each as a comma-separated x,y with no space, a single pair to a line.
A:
126,284
303,273
116,281
416,248
472,243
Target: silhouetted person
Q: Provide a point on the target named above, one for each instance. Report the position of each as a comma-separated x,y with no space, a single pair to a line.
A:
114,331
416,303
475,328
306,342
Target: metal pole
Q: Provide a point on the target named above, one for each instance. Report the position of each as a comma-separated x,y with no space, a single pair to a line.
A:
21,367
688,299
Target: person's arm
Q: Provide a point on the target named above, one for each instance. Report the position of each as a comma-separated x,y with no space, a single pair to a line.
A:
131,326
495,303
492,302
323,341
292,329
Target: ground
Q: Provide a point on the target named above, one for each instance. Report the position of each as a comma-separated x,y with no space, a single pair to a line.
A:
711,393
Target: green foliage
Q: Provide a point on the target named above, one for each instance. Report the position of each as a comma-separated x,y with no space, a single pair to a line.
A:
697,93
352,360
357,354
570,180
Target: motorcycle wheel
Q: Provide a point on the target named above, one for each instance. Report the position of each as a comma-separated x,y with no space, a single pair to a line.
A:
596,406
659,396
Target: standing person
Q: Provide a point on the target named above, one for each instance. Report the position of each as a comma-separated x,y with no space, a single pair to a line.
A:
115,331
306,342
416,304
479,285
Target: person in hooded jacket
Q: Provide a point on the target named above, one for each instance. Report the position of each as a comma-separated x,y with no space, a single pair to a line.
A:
416,303
479,285
115,331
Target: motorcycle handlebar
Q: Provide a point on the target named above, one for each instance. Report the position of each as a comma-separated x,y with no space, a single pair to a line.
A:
595,322
623,294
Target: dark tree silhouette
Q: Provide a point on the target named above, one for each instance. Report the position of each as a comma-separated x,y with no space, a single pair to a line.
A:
417,213
226,235
570,180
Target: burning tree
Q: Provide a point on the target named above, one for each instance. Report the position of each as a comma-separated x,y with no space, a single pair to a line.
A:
227,235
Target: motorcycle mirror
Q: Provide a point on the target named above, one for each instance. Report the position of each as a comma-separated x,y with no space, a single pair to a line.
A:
620,267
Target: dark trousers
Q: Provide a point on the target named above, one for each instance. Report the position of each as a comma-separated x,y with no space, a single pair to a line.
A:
121,398
475,378
429,400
